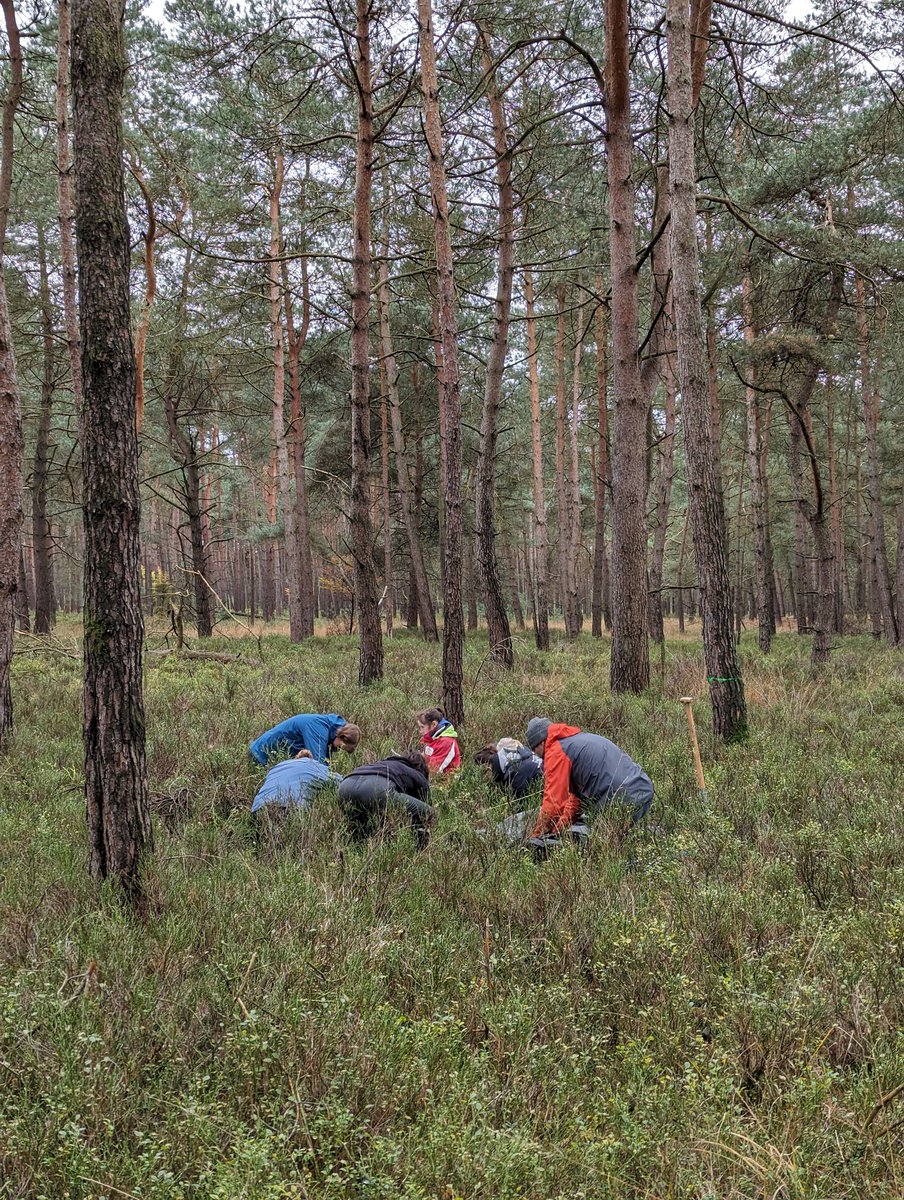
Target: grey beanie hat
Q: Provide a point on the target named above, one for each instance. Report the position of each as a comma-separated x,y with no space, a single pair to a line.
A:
537,729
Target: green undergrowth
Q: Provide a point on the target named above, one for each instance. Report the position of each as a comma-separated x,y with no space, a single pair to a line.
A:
715,1009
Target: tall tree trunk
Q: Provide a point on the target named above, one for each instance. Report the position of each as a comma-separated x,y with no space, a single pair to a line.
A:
600,601
664,478
762,539
150,291
453,623
878,553
66,210
296,339
388,586
562,489
575,602
370,661
41,535
22,609
541,541
286,504
403,470
630,663
498,630
837,529
184,446
517,610
11,449
470,586
119,824
820,612
704,481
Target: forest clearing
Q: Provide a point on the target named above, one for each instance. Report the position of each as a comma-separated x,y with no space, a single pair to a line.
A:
713,1010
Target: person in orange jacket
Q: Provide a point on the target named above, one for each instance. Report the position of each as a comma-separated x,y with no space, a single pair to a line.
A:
583,773
440,742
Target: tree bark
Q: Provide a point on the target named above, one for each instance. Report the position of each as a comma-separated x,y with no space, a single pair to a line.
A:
370,660
600,600
11,448
878,553
453,622
664,478
41,534
630,663
184,447
704,481
820,613
296,339
562,469
498,630
66,211
22,608
575,601
403,470
119,825
541,542
150,291
388,586
762,538
286,502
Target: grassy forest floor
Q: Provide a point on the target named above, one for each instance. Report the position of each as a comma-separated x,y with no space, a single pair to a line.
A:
715,1011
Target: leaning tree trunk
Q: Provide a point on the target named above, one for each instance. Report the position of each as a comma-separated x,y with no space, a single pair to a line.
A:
541,541
630,663
119,824
41,535
498,629
370,659
453,623
704,481
10,407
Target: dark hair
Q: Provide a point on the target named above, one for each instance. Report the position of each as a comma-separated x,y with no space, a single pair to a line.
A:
431,714
415,759
484,757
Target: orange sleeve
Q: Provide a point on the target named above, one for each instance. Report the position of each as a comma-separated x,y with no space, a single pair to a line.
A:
559,805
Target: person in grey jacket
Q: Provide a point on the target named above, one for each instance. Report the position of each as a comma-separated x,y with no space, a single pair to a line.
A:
583,773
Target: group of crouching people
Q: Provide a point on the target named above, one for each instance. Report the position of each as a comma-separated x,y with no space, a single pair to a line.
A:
576,775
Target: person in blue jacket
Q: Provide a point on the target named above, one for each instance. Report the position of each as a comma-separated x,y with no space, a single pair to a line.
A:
293,782
319,733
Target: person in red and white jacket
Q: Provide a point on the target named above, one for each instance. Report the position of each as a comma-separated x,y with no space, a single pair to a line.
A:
440,742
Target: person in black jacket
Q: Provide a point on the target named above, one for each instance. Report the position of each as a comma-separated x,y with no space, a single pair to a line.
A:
400,781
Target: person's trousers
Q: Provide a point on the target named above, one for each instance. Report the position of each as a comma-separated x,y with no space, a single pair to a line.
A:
364,799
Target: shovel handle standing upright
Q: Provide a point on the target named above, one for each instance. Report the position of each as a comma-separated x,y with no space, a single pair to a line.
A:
688,702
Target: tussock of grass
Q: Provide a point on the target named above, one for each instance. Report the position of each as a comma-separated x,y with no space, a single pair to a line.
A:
712,1011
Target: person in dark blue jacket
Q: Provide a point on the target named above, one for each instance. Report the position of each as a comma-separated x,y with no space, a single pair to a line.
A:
293,782
513,767
318,733
400,781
